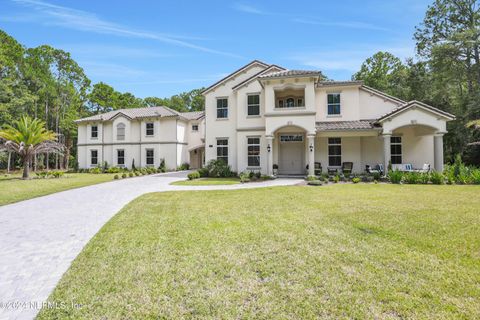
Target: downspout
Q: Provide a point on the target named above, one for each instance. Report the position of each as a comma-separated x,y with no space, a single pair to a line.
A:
176,145
140,144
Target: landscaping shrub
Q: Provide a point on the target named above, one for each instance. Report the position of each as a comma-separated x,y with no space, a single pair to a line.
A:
376,176
244,176
475,176
437,177
137,173
133,165
105,166
116,177
424,178
314,183
184,166
336,178
113,170
395,176
356,180
219,169
42,174
193,175
411,177
162,167
95,170
124,175
203,172
311,178
57,174
131,174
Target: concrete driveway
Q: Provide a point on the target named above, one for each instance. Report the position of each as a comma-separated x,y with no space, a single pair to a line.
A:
39,238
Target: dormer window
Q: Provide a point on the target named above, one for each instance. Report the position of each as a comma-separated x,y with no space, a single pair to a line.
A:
150,131
333,104
253,105
120,131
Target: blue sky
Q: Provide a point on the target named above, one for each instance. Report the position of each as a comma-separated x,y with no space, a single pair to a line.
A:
160,48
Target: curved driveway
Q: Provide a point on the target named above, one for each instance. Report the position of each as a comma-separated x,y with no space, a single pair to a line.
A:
39,238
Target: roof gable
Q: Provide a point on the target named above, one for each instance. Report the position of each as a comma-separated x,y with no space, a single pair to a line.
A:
417,104
245,67
271,68
381,94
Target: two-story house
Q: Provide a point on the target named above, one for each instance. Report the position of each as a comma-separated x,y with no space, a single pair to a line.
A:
264,116
142,137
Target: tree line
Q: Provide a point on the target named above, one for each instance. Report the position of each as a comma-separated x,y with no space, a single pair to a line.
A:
47,84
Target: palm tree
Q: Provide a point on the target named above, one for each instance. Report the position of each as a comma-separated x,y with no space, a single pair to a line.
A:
28,137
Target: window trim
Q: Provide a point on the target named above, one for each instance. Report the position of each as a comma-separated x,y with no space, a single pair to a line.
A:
334,104
147,129
96,132
294,140
121,125
222,108
118,163
223,146
253,105
255,155
147,157
396,154
91,157
336,144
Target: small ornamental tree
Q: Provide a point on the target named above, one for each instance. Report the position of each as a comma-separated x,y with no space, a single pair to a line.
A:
28,137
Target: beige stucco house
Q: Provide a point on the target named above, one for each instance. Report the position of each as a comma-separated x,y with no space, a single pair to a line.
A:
263,116
144,136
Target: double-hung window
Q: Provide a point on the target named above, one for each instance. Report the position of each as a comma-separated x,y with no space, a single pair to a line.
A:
334,152
120,131
194,127
222,108
333,104
121,157
150,157
222,150
253,144
94,132
396,150
253,105
150,129
93,157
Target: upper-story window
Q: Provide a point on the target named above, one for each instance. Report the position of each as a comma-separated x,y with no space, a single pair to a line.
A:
194,127
333,103
94,132
222,108
253,105
121,131
150,129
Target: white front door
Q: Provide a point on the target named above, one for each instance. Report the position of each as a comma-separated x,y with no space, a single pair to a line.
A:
291,155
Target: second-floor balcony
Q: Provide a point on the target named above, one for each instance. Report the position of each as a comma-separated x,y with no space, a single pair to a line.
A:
287,99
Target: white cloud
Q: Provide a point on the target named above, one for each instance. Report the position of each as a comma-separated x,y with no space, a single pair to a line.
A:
248,9
86,21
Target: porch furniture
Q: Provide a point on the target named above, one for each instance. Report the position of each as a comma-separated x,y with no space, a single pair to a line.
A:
347,167
404,167
425,169
332,170
318,168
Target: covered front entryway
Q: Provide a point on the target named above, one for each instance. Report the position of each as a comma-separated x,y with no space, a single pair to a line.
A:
197,157
291,153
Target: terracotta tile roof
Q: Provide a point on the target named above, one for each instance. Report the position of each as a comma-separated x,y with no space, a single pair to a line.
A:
416,103
136,113
331,83
290,73
272,66
346,125
194,115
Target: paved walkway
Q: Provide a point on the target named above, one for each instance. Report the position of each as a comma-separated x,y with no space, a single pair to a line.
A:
39,238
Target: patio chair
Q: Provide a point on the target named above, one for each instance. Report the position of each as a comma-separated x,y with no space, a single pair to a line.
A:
425,168
318,168
347,167
377,169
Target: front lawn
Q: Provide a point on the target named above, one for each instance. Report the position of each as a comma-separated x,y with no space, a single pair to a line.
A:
207,182
345,251
15,189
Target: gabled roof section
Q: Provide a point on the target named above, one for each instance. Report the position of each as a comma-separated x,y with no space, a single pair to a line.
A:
254,62
134,113
194,115
416,104
332,83
255,76
291,74
382,94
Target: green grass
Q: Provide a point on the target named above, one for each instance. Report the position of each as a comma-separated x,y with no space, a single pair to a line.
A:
15,189
207,182
342,251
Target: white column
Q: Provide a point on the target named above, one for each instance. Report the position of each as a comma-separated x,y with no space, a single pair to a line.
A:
269,155
386,152
311,154
438,152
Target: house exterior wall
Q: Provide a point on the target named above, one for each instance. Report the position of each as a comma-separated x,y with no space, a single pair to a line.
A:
170,141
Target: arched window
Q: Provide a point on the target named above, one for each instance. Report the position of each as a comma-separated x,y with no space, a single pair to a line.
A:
120,131
290,103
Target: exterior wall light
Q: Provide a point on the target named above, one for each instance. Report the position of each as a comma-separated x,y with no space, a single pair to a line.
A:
269,148
311,148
